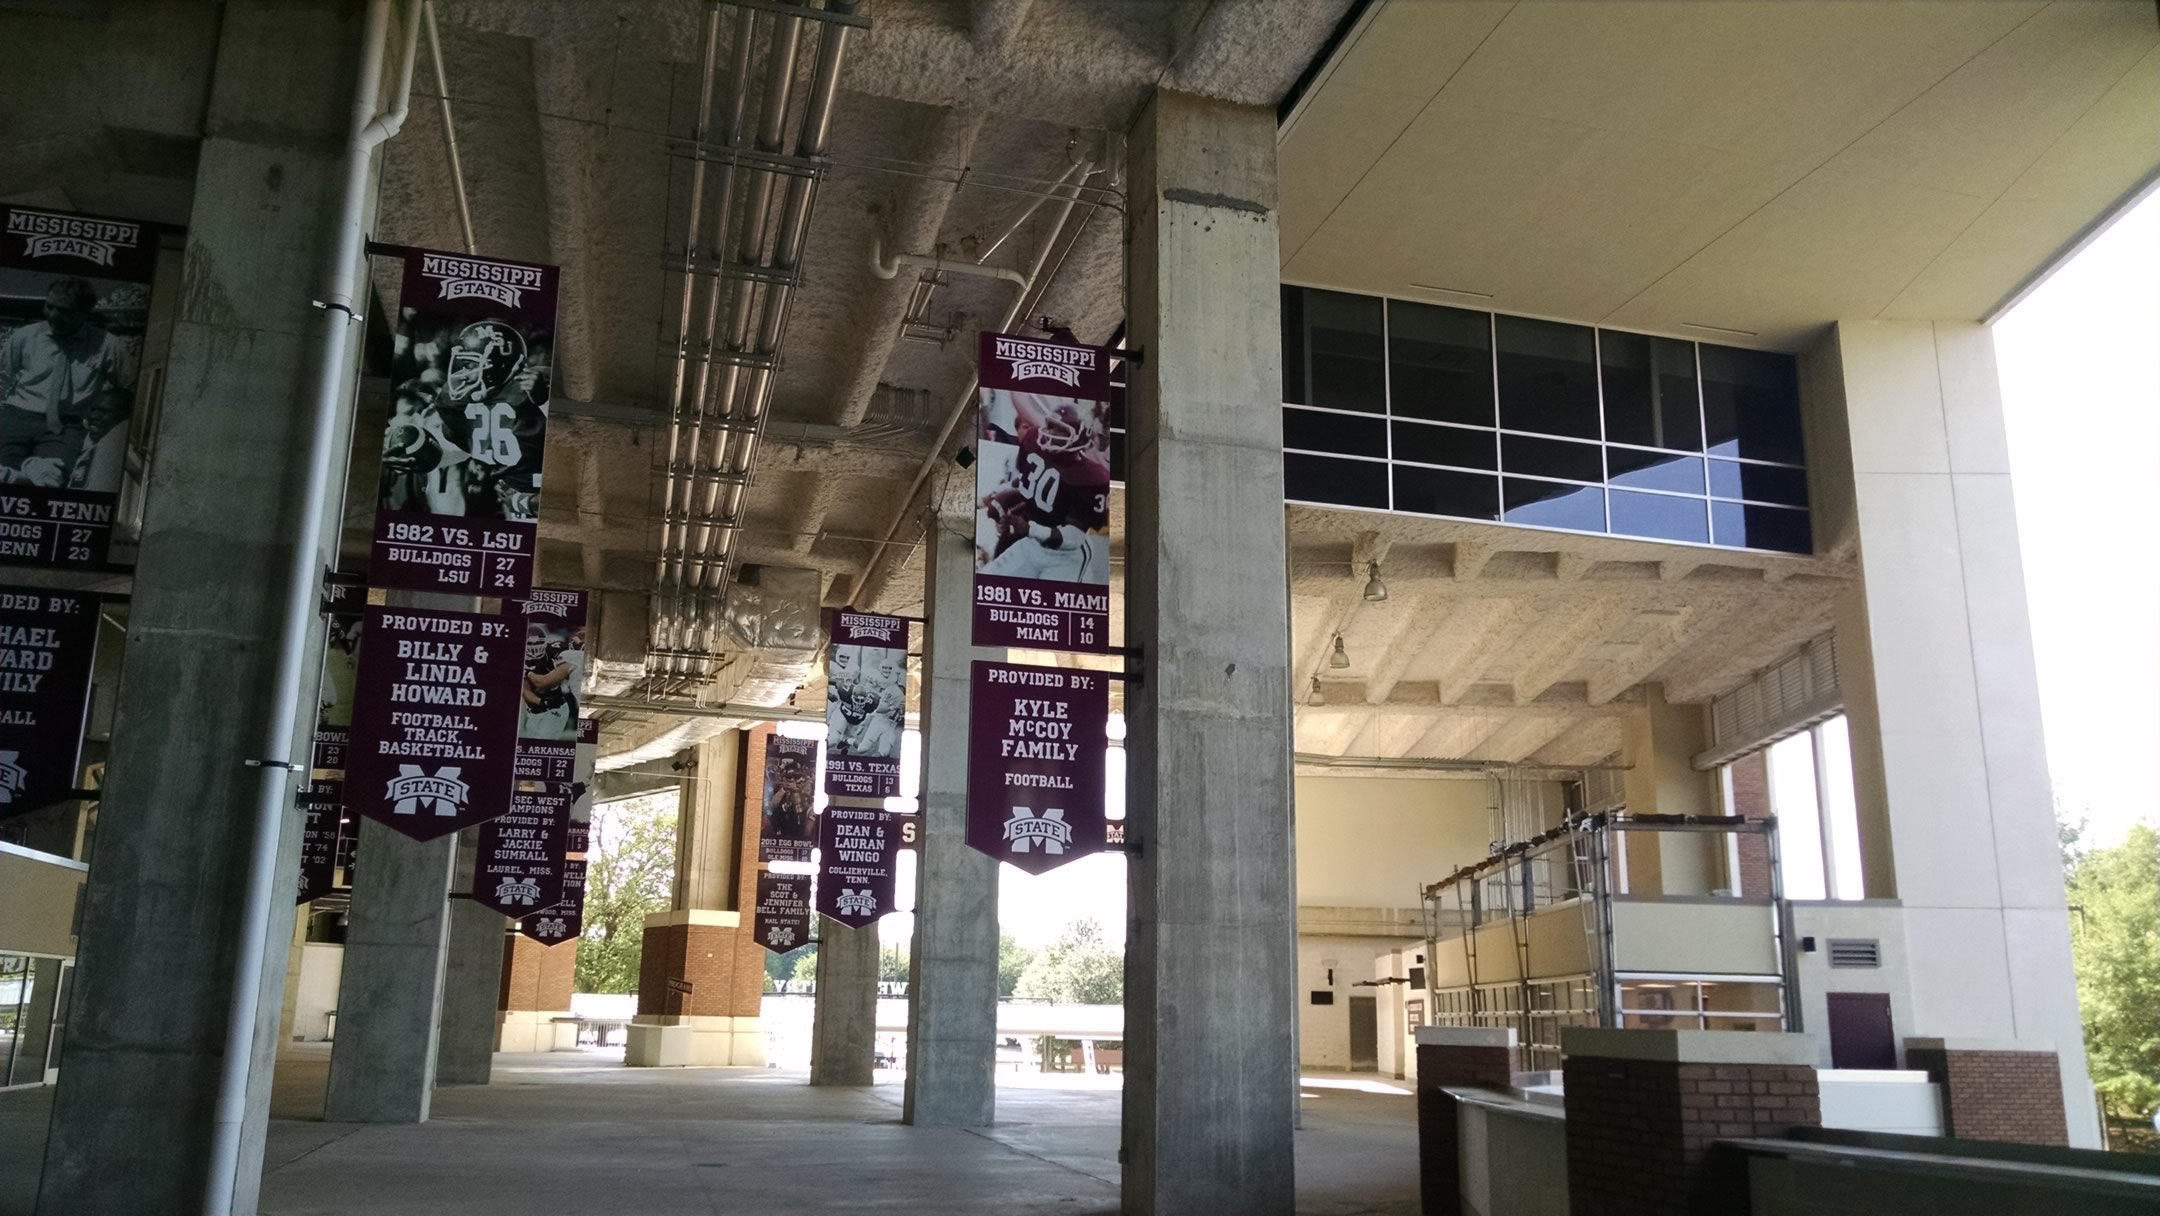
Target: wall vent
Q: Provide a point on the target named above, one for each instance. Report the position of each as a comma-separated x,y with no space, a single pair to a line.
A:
1855,952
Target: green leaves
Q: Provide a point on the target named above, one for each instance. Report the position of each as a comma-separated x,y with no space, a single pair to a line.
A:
2115,940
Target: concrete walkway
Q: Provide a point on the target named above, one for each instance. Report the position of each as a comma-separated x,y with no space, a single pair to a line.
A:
570,1132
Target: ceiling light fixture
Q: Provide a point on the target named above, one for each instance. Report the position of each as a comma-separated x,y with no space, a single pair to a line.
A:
1340,658
1720,329
1375,590
1452,291
1315,696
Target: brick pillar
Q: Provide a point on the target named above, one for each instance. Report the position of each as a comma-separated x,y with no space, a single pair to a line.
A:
536,984
1751,800
2007,1092
1644,1108
1458,1057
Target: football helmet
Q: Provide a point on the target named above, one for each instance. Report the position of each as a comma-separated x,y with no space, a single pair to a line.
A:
1062,430
486,357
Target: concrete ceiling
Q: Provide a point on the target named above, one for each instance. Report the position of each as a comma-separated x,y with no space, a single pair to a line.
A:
1764,168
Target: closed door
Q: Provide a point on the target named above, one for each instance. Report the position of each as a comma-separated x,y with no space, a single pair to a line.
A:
1364,1033
1860,1032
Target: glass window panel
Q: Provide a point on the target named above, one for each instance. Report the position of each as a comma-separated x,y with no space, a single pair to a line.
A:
1548,377
1654,470
1553,504
1441,361
1799,818
1841,812
1344,433
1660,517
1446,445
1650,395
1440,492
1344,352
1551,458
1751,404
1346,483
1293,345
1749,527
1759,482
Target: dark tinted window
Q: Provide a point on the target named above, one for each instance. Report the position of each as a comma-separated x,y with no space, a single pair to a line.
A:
1440,492
1548,377
1293,345
1344,353
1751,404
1654,470
1751,527
1761,482
1551,458
1441,363
1343,483
1649,391
1659,517
1345,433
1553,504
1424,444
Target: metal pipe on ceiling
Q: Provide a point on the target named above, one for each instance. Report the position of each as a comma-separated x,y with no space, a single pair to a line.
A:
449,127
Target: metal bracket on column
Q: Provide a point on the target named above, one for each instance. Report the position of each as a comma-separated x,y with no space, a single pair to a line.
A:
1135,665
287,765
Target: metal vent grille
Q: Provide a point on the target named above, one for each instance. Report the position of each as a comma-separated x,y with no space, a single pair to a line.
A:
1776,702
1855,952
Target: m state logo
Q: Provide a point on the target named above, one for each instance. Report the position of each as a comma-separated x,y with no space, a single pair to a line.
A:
413,787
474,279
517,891
96,241
550,926
856,903
1047,833
14,778
780,936
1044,360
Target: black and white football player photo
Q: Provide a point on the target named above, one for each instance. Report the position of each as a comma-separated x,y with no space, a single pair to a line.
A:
865,701
554,665
468,418
69,348
1048,515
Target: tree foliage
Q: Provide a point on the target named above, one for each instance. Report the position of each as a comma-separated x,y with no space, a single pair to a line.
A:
629,872
784,969
1013,960
2115,940
1081,968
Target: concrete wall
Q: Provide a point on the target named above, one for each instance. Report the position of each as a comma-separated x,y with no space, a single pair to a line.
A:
1324,1030
1374,842
315,996
1881,921
1514,1158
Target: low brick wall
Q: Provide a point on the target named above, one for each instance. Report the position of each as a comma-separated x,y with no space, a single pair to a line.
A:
1478,1058
2007,1096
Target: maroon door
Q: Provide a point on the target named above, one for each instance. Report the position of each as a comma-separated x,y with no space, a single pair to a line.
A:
1860,1032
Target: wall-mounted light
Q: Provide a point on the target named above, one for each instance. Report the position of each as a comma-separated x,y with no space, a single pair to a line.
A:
1375,590
1340,658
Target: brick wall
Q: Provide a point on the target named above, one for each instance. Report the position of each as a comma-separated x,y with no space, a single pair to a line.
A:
1639,1132
1439,1128
1751,800
725,965
2011,1097
537,977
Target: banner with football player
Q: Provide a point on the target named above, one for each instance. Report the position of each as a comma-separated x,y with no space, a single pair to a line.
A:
1042,490
434,725
48,649
787,829
470,369
857,851
783,910
548,723
1037,739
74,308
865,704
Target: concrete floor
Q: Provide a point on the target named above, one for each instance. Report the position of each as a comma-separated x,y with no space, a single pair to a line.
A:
573,1132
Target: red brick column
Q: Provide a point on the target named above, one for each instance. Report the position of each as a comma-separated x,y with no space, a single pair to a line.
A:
1751,800
537,978
1644,1108
1459,1057
2006,1092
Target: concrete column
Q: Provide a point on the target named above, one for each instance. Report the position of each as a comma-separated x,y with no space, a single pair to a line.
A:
843,1029
472,982
1658,742
382,1063
952,984
133,1117
1210,969
1935,657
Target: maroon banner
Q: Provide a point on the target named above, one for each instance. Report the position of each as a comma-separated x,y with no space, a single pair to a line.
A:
48,647
459,503
857,848
1042,488
865,704
74,308
323,799
783,910
788,830
554,670
433,731
1036,745
521,859
565,920
581,789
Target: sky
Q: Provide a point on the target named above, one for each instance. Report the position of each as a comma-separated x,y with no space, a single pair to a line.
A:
2080,365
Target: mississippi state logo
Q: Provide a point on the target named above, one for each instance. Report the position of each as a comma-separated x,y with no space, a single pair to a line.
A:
1045,360
472,279
517,891
413,789
550,926
780,936
856,903
94,241
14,779
1046,833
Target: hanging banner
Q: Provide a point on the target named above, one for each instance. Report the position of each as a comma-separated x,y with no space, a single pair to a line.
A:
1036,745
581,786
565,920
520,864
783,910
48,647
74,307
460,497
554,626
433,726
856,851
1042,490
318,848
865,704
787,831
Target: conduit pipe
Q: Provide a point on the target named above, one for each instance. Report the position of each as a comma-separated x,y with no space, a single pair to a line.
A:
887,268
449,128
337,310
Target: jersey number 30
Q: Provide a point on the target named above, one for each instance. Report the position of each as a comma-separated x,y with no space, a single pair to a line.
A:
1040,482
494,434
